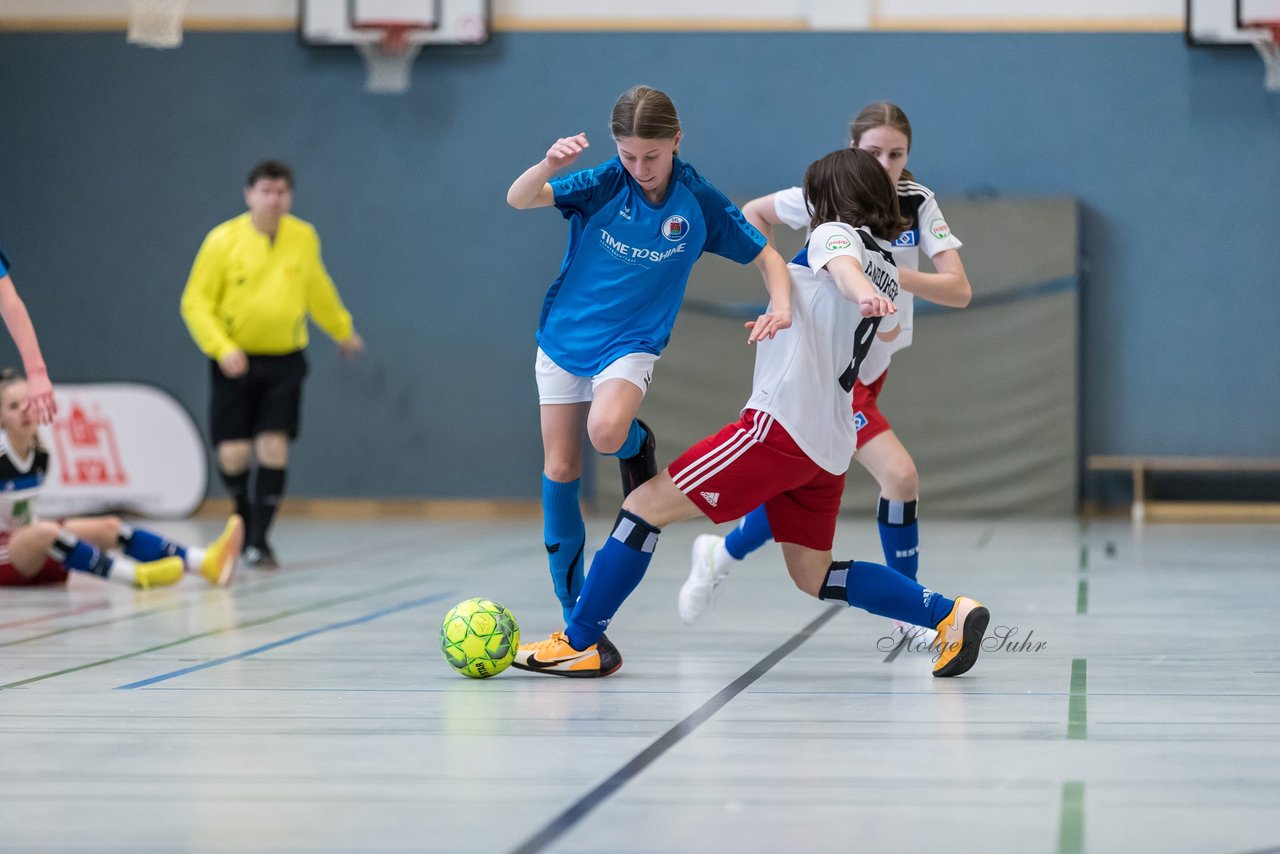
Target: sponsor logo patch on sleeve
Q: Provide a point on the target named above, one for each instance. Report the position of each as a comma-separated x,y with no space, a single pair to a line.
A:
836,242
939,228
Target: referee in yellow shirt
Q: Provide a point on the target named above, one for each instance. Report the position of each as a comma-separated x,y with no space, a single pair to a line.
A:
254,282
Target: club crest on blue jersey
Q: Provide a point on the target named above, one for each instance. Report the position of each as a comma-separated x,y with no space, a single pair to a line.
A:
675,227
911,237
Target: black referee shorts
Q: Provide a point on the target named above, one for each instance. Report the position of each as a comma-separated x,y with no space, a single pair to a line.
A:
267,399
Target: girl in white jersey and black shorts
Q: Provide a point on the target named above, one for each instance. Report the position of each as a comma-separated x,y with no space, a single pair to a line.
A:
882,130
790,448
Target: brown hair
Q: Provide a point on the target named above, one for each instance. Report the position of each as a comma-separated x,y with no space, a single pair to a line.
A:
877,115
645,113
850,186
272,169
8,377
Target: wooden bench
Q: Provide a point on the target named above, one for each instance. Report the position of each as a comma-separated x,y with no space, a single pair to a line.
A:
1147,508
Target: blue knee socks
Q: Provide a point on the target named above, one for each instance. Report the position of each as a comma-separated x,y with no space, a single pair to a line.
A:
899,535
565,535
74,553
881,590
633,443
753,531
146,546
616,570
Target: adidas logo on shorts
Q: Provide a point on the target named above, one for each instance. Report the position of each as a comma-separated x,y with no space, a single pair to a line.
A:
712,498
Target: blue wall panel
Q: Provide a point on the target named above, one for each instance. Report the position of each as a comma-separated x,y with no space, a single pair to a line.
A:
115,161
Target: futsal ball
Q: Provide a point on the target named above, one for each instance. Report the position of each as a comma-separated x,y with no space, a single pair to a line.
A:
479,638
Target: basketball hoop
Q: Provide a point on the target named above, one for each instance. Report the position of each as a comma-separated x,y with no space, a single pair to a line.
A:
1266,38
155,23
388,60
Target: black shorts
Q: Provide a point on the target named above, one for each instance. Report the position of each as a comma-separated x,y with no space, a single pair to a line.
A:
267,399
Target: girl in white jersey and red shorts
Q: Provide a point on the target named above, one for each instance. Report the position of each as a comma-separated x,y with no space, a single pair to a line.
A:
882,130
791,447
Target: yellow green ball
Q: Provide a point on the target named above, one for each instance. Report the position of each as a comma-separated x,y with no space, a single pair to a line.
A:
479,638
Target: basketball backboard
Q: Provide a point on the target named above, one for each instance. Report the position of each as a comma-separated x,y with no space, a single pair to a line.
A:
430,22
1211,23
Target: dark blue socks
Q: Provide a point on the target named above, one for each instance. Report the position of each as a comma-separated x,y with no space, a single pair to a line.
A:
633,443
146,546
899,535
565,535
752,533
883,591
75,553
616,570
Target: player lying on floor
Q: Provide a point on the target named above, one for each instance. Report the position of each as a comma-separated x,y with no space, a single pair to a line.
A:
790,448
41,552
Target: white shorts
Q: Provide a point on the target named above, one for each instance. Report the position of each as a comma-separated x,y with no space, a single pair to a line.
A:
556,385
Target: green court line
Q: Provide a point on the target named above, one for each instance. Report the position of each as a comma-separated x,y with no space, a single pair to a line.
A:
314,606
1084,558
1071,824
1082,597
239,594
1077,717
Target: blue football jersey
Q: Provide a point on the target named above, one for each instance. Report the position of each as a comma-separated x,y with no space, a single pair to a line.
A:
628,261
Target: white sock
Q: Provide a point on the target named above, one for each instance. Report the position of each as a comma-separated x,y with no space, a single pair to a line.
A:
721,559
123,569
195,557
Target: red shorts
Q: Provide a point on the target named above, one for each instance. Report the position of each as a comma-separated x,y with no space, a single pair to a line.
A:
51,572
752,462
867,419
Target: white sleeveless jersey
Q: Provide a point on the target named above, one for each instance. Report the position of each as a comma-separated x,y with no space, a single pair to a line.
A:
929,230
20,482
804,376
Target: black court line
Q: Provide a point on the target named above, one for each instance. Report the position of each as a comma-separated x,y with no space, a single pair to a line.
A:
565,821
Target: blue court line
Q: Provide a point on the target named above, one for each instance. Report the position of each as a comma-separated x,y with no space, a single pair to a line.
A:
403,606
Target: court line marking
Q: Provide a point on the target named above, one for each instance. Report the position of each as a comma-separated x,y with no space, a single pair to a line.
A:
237,593
251,623
1077,713
67,612
1082,597
577,811
394,609
1071,821
288,569
247,624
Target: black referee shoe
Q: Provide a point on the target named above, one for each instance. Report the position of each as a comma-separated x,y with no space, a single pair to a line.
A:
643,466
260,557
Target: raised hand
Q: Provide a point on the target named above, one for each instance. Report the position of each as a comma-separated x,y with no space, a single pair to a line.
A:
566,150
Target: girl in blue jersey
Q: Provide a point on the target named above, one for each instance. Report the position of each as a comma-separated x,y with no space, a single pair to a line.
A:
637,224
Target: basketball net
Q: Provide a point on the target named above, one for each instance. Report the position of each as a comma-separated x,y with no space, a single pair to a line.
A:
156,23
388,61
1267,41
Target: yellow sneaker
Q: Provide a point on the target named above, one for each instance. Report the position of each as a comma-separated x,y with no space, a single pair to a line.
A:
960,637
158,573
554,656
219,562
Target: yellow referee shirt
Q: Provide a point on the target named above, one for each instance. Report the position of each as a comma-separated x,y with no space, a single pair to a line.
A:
246,292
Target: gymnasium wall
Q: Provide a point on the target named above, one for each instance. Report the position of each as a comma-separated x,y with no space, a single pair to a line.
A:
115,161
